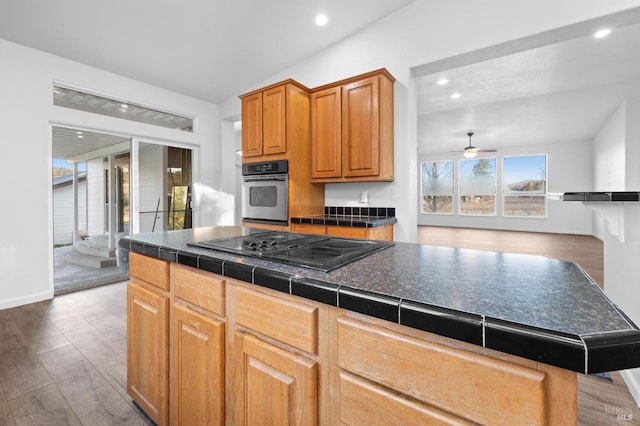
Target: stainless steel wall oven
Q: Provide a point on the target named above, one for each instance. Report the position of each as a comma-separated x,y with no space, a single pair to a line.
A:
265,189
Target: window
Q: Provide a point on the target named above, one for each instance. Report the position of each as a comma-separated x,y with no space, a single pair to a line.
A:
477,186
89,102
437,187
524,185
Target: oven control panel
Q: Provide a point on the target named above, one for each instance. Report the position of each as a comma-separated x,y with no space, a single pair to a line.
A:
269,167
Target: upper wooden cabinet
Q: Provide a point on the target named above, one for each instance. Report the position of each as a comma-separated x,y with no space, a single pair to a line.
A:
352,129
274,118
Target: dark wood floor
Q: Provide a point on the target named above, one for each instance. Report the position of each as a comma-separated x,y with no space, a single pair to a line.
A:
64,361
599,399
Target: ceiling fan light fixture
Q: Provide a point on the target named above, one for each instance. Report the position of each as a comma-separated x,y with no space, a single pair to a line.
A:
469,154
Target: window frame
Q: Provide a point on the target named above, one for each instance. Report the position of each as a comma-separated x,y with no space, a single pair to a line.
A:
453,189
495,184
542,195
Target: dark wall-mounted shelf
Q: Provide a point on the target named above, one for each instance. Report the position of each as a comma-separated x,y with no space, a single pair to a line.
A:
602,196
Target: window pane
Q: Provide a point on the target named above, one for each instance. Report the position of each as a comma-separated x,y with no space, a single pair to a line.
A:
478,176
437,204
478,204
437,178
437,187
525,175
524,205
477,188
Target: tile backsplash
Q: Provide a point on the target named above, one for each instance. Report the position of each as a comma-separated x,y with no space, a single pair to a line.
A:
360,211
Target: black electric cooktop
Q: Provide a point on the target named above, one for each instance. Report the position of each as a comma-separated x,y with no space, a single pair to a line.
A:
319,252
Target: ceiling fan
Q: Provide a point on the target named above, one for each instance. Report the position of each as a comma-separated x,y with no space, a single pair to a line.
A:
471,151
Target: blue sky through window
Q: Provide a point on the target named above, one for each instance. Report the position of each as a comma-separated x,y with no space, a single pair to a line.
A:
62,163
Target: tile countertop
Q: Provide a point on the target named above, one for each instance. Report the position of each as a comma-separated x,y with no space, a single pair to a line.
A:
539,308
361,217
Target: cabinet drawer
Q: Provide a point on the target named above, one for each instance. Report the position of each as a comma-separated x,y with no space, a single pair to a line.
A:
200,288
150,270
466,384
364,402
306,228
347,231
295,324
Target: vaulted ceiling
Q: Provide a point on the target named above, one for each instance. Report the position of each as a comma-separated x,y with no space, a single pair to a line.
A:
209,49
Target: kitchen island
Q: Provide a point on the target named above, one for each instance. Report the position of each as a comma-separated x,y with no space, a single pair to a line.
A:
411,333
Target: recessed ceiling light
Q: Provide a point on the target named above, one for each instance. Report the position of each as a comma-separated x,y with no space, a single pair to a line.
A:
78,133
80,136
455,95
321,20
602,33
443,81
125,106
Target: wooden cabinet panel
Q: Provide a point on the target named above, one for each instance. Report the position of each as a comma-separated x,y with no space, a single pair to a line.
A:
365,403
326,131
197,368
252,125
470,385
352,129
148,351
347,231
274,386
306,228
150,270
361,128
273,121
383,233
200,288
295,324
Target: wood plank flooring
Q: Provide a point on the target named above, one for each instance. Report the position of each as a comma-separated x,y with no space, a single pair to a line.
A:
63,362
599,400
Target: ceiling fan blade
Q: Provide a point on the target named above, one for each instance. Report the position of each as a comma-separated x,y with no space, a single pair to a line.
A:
485,150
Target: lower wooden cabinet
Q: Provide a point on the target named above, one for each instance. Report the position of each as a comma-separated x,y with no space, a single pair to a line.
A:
383,233
273,386
258,356
197,368
148,351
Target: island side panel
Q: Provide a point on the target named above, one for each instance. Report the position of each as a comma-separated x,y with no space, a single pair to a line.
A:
381,368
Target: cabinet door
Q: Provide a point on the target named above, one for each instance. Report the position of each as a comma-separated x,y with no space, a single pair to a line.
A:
252,125
361,128
274,386
148,351
197,368
274,121
326,136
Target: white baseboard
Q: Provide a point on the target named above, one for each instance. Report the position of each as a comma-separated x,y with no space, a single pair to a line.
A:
32,298
632,379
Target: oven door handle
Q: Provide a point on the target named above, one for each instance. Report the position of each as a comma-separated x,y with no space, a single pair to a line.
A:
264,178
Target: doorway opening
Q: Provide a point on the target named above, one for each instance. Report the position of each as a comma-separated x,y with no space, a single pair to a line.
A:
93,209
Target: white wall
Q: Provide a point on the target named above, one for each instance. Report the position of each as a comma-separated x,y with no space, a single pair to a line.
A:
421,33
26,78
153,188
609,153
63,212
569,168
617,145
